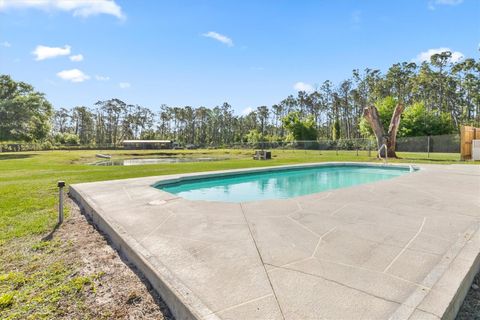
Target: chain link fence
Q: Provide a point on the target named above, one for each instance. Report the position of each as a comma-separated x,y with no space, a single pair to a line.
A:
426,146
321,144
449,143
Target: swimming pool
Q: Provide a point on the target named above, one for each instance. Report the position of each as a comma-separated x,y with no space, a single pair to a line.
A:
278,183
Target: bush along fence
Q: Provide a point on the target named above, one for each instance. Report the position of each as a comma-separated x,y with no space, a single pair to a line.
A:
21,146
425,144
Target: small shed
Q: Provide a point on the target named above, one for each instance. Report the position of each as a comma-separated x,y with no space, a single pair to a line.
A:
147,144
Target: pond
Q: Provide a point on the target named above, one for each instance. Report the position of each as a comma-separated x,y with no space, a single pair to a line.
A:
143,161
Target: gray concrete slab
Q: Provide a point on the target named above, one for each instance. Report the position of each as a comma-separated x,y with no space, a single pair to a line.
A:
404,248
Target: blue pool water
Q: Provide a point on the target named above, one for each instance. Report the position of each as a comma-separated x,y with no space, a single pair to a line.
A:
279,184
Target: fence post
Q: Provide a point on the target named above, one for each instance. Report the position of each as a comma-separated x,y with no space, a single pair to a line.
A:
60,186
369,148
428,147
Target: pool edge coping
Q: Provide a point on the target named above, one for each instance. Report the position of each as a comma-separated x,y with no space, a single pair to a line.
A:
234,172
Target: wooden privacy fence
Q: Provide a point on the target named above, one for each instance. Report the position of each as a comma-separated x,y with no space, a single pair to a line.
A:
467,134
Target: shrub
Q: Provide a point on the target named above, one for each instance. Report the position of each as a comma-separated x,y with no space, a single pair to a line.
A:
47,145
72,139
6,300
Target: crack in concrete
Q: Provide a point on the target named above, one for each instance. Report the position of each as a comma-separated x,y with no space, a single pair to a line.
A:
334,212
406,246
374,271
320,240
431,313
186,238
157,227
349,266
287,264
336,282
241,304
263,263
127,193
304,227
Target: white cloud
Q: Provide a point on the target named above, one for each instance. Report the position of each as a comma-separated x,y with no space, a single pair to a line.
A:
302,86
6,44
219,37
82,8
44,52
73,75
246,111
102,78
425,55
433,3
77,57
124,85
448,2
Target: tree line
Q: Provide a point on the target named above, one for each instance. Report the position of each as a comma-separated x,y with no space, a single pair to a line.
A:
438,96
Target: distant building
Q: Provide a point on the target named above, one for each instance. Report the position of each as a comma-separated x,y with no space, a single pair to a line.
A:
147,144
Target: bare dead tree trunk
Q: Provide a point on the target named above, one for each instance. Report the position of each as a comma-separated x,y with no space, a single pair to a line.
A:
371,114
390,139
393,130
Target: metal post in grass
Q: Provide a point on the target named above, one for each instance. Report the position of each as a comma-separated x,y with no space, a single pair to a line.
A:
428,147
60,186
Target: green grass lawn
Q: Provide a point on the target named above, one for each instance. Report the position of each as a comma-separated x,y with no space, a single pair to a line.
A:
28,200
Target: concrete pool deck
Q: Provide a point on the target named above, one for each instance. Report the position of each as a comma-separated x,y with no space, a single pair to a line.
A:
404,248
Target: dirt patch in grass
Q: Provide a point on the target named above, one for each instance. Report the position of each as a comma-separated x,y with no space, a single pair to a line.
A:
120,291
74,274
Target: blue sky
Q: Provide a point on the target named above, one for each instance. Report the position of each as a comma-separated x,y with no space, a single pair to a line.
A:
205,52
